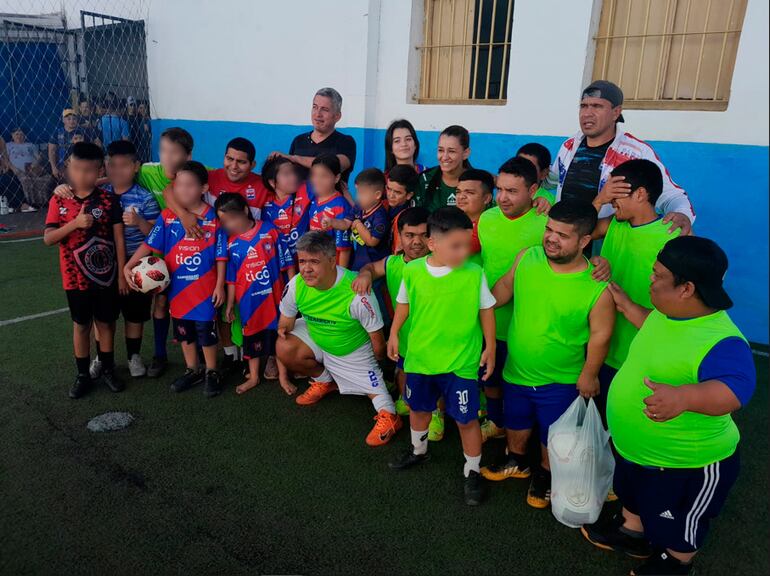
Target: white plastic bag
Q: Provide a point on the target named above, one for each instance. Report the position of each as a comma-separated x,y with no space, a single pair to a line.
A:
581,464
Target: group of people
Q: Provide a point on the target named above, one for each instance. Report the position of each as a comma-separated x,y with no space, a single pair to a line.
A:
27,176
500,298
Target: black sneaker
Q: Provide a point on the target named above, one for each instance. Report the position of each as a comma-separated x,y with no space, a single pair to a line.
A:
212,384
81,387
474,489
508,467
407,459
187,380
539,493
230,365
662,564
113,382
608,535
157,367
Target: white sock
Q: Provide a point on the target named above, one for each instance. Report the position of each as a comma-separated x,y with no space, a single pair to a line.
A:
231,351
420,441
472,463
384,402
325,377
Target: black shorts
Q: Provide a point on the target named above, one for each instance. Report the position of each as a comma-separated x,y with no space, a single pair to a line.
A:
202,333
100,304
259,345
675,504
136,307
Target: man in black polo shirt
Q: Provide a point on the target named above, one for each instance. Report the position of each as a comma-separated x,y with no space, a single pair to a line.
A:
326,112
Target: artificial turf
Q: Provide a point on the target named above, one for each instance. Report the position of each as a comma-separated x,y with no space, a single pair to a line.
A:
258,485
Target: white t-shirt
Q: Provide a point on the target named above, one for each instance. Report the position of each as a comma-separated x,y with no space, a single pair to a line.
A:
363,308
486,300
22,154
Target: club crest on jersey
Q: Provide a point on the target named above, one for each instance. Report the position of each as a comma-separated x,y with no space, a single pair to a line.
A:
268,247
97,213
96,260
251,194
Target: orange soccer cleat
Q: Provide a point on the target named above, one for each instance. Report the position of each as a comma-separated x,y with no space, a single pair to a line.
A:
315,392
385,427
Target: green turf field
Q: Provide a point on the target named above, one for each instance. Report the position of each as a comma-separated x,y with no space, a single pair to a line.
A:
258,485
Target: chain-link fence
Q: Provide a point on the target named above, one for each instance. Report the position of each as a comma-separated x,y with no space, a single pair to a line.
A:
70,70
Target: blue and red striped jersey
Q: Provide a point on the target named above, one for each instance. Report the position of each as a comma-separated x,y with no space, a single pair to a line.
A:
291,218
334,206
255,261
191,263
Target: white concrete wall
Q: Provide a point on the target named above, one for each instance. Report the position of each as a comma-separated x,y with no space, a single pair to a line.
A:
260,61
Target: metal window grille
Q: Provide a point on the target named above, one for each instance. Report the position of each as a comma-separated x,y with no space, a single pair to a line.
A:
465,51
670,54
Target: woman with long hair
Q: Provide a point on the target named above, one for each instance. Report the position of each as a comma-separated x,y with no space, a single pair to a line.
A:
438,185
402,147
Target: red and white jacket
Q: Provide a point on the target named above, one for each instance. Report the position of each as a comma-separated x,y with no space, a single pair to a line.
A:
623,148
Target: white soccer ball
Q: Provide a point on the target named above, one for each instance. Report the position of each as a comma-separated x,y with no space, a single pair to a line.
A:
151,275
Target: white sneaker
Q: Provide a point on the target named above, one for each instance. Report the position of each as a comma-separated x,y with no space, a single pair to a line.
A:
95,370
136,366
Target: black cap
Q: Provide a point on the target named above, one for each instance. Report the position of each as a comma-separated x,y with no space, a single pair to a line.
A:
607,90
702,262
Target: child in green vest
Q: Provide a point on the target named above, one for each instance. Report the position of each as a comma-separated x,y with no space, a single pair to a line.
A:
448,325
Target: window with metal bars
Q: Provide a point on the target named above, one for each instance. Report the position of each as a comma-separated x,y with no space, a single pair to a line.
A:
465,51
670,54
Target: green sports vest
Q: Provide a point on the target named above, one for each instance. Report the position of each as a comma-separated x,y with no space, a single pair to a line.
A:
445,334
632,250
327,313
670,352
153,178
501,241
549,330
394,272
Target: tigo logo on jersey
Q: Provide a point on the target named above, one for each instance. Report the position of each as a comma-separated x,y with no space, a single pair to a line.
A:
192,262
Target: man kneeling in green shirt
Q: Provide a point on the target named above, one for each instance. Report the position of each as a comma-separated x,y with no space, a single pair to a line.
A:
688,368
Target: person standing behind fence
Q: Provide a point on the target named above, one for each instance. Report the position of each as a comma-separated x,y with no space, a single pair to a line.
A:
88,122
113,125
61,141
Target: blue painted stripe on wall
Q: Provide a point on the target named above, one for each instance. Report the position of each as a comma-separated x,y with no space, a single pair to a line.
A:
728,184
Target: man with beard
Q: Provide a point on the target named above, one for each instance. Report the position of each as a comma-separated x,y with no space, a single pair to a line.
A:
558,336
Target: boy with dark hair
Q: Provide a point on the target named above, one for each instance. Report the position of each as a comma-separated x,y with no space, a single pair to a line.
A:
402,182
474,196
633,236
89,230
448,325
197,268
140,210
368,221
557,338
540,156
287,205
413,233
504,231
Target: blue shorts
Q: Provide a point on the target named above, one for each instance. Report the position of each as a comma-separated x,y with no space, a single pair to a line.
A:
675,504
525,405
400,363
461,396
200,332
501,354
